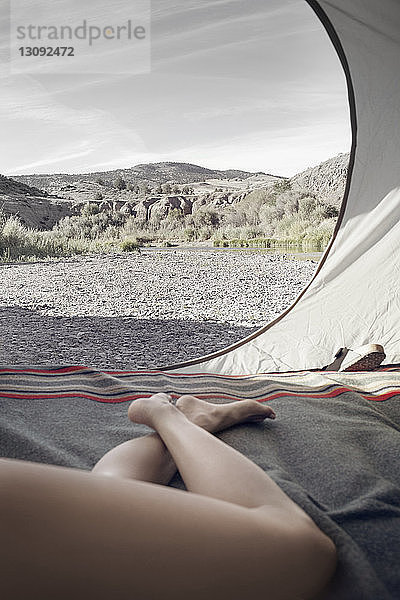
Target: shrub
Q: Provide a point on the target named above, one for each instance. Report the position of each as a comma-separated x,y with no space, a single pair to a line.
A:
175,221
307,207
17,242
282,186
259,197
145,239
189,234
129,245
206,217
330,211
90,208
89,226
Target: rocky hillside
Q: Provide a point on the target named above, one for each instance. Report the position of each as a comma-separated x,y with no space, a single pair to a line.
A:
34,207
147,190
326,181
12,187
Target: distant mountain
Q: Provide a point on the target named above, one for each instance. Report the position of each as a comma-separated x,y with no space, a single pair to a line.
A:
151,173
177,172
326,181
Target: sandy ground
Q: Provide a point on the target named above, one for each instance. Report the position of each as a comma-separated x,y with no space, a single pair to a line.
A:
143,310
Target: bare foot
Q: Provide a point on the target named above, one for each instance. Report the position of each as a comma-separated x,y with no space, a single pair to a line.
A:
145,410
211,417
216,417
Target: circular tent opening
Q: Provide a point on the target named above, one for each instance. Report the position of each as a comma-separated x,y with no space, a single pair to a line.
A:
241,98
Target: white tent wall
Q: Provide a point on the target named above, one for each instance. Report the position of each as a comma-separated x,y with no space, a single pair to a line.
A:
354,298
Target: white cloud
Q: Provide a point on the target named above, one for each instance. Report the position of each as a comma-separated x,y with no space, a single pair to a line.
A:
60,158
272,99
286,152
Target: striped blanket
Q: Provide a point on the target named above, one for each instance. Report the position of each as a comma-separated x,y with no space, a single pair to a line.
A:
334,447
122,386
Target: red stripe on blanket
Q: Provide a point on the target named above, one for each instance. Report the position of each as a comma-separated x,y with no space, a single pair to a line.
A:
205,396
45,371
130,397
333,394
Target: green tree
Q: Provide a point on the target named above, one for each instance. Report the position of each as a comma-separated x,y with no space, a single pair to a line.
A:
120,183
330,211
89,209
282,186
206,217
175,215
144,189
307,207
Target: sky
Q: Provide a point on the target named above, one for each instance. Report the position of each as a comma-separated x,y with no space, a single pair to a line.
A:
239,84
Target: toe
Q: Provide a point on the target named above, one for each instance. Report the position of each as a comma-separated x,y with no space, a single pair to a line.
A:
259,411
269,412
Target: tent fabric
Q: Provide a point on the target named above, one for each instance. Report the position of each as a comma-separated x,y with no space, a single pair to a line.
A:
353,299
333,447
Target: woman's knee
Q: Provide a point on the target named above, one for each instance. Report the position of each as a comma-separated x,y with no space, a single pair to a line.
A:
293,544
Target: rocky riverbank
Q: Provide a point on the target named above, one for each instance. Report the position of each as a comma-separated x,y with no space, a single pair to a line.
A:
142,310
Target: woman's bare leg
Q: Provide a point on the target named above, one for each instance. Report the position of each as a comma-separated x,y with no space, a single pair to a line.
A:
147,458
68,534
233,477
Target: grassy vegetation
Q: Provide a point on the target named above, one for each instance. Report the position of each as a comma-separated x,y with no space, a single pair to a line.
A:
129,245
265,218
315,241
18,242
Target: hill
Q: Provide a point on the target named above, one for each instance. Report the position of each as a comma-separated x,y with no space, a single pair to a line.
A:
151,173
151,191
33,206
153,179
13,187
326,181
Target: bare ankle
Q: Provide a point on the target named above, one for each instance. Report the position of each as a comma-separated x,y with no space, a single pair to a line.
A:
147,410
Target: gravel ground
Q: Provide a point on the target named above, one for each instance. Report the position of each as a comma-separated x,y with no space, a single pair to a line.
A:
142,310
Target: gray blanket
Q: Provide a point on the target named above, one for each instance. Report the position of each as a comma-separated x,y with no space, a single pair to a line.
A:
334,447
